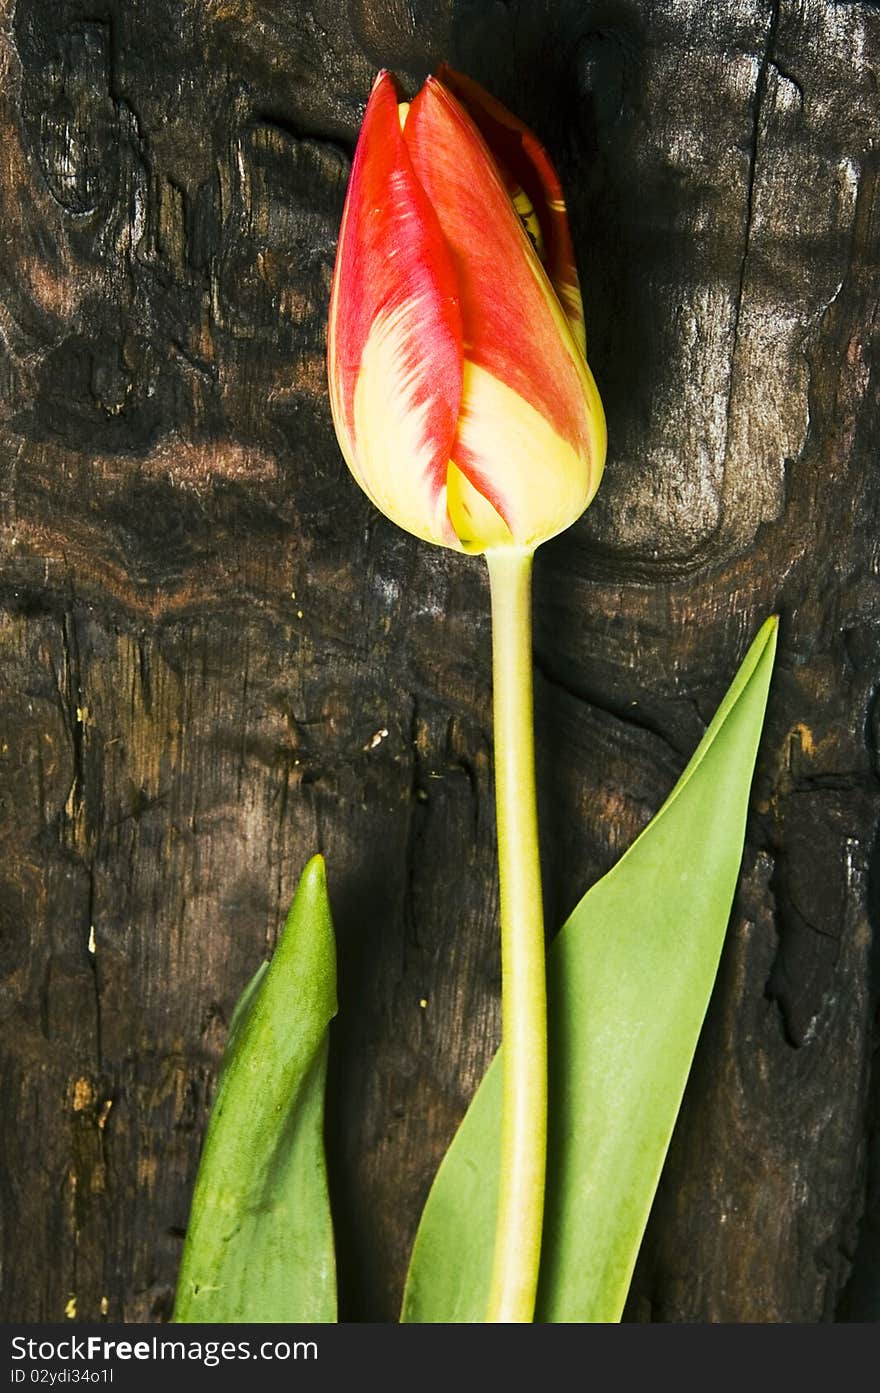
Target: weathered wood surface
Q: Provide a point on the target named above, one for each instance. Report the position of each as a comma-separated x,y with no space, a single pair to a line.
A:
217,658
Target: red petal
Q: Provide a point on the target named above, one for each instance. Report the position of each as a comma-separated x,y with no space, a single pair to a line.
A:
523,158
393,267
512,321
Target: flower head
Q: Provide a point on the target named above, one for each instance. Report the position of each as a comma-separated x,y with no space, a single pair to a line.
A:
460,391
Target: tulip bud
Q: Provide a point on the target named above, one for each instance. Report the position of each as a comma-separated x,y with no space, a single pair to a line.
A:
460,393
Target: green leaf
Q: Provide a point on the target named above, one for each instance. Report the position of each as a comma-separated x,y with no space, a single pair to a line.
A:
259,1246
629,980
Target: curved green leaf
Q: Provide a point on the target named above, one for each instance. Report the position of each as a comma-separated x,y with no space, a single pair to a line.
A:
259,1246
629,980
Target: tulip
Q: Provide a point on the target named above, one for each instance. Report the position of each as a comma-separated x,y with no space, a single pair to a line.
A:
460,393
465,409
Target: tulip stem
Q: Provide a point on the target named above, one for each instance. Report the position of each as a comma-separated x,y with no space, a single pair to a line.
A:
523,974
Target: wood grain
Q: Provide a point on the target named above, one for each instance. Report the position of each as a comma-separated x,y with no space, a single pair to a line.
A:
217,658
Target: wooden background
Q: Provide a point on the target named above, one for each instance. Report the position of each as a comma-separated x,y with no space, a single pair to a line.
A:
217,658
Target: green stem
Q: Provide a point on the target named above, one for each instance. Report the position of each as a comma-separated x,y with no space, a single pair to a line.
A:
523,978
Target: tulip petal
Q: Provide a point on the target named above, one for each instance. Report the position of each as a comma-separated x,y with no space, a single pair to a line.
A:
515,331
545,484
526,166
400,462
394,334
476,520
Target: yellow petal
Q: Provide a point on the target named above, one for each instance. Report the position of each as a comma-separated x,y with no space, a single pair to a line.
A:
478,524
394,458
536,480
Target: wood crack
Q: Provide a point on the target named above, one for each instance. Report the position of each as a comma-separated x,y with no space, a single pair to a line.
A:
767,62
615,711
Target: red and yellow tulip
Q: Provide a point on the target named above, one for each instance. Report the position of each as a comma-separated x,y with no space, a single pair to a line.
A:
460,392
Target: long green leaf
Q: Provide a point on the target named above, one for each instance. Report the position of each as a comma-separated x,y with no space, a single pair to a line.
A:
629,980
259,1246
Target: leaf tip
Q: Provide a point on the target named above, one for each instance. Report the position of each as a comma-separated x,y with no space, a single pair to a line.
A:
765,639
314,876
310,919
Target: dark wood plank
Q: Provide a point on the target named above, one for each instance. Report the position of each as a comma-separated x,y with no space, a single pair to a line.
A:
217,658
